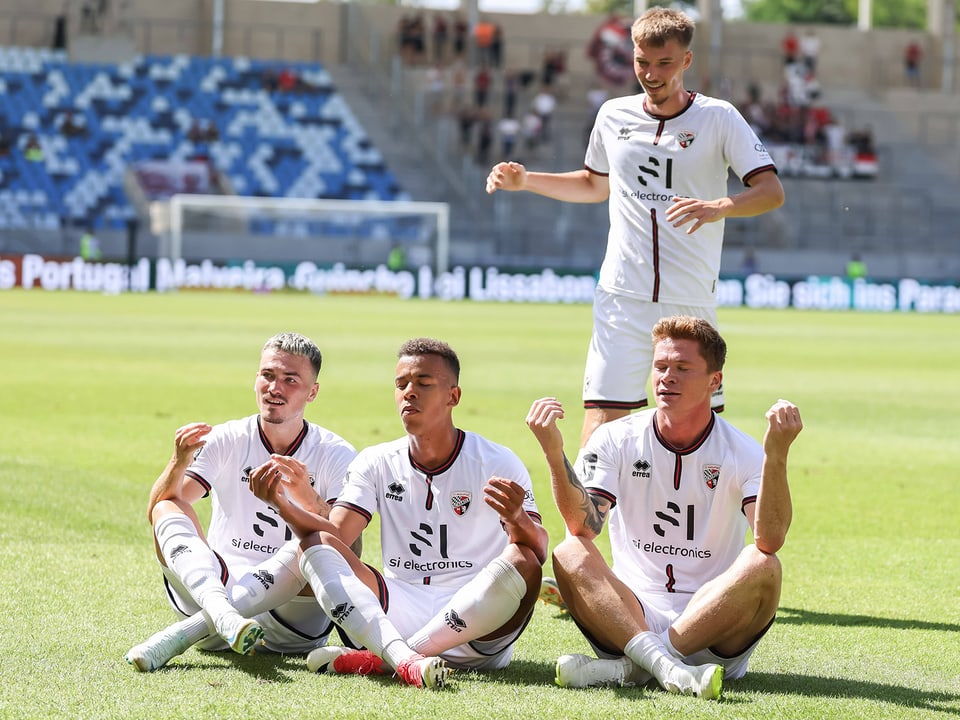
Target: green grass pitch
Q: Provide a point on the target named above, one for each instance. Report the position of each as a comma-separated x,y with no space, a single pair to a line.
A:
93,387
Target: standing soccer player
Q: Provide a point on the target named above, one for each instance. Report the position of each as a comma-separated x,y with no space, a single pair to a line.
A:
239,584
461,540
661,158
685,600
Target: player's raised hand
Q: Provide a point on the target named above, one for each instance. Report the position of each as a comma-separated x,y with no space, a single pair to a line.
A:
187,440
783,426
506,497
542,421
267,483
506,176
295,479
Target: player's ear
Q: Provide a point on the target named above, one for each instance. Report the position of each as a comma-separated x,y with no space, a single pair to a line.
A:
454,396
687,59
716,380
313,392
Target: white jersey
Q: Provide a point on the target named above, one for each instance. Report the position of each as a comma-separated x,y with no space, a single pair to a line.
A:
435,528
677,519
649,161
244,530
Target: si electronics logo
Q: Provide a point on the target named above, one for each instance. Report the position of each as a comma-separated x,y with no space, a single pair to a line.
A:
686,138
460,501
711,475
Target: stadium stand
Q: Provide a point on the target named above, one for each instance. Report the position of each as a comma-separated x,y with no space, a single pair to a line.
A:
265,135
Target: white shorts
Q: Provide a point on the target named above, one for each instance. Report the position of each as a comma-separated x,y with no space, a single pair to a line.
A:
620,355
409,607
661,612
296,627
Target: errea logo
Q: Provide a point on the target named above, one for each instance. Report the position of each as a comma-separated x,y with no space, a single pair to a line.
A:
641,468
395,491
624,133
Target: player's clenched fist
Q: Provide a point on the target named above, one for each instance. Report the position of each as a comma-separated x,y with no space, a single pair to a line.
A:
542,421
783,426
506,176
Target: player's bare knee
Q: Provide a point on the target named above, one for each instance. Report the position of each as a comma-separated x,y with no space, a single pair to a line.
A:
763,568
570,561
312,539
525,560
166,507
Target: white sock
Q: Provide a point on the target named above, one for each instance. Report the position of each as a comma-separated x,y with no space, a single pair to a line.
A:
351,604
192,560
665,637
647,650
478,608
272,583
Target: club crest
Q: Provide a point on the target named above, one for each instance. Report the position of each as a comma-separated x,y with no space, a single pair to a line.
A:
711,475
460,501
686,138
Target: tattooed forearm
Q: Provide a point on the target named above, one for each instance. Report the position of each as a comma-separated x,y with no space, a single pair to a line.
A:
594,509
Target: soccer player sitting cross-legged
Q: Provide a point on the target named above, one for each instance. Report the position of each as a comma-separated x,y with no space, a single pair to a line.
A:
240,586
461,540
685,600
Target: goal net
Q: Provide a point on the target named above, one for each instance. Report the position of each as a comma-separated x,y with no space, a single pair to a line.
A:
361,233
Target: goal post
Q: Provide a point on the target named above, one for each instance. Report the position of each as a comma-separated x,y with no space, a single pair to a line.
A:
353,232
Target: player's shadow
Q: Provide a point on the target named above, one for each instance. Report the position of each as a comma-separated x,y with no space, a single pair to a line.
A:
265,667
796,616
528,672
815,686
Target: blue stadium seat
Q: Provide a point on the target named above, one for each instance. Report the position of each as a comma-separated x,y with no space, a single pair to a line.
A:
299,143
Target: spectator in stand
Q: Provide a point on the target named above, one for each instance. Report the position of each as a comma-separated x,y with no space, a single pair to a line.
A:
510,83
436,87
460,29
483,36
554,73
837,150
862,141
90,246
411,31
532,127
856,268
597,95
795,83
544,105
508,128
287,80
458,85
481,86
810,50
912,56
496,46
465,118
755,112
32,150
812,86
484,136
203,131
441,31
790,46
70,127
865,163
